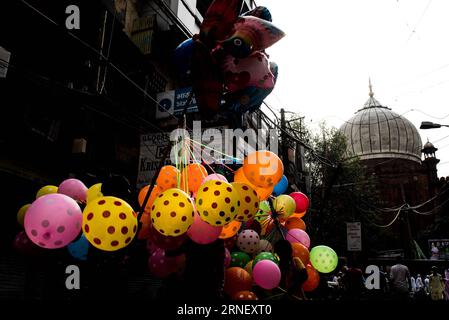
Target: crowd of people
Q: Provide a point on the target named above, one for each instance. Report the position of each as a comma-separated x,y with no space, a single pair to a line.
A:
396,282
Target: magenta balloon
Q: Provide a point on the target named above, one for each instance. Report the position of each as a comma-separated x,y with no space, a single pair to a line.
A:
203,233
161,266
302,201
227,261
266,274
214,176
298,236
53,221
73,188
151,247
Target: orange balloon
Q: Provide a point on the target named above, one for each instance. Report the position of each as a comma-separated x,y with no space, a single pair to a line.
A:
239,176
295,223
167,178
298,214
300,251
230,229
244,295
263,168
194,174
237,279
153,195
264,193
145,230
313,279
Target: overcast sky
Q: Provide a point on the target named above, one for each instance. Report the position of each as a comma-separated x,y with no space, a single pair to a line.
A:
333,47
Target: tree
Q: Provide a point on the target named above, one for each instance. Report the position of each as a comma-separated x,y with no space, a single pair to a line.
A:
341,190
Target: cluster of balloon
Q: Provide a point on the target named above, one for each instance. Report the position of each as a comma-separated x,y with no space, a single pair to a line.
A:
227,58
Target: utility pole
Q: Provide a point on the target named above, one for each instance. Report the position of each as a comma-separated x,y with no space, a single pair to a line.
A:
284,145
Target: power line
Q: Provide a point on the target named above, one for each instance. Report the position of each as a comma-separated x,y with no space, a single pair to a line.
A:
112,65
419,21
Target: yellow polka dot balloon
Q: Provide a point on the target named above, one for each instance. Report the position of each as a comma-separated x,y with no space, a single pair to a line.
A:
172,212
249,201
217,202
109,223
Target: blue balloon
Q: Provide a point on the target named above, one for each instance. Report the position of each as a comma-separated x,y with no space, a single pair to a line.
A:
281,187
78,249
183,58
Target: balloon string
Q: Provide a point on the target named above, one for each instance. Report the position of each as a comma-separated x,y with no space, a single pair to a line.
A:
186,175
194,158
207,147
204,161
215,159
178,171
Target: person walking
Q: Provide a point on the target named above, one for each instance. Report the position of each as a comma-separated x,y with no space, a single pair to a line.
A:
446,283
400,280
436,285
420,290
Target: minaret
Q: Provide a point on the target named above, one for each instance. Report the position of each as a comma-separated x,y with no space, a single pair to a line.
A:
430,161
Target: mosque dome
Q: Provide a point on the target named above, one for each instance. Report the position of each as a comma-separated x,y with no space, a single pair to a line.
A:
375,131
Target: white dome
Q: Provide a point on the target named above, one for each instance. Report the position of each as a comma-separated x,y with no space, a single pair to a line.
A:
377,132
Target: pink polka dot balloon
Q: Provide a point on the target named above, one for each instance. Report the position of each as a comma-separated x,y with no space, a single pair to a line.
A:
215,176
248,241
203,233
298,236
73,188
162,266
53,221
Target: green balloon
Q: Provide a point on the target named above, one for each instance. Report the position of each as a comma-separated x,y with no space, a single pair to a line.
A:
264,211
239,259
265,256
324,259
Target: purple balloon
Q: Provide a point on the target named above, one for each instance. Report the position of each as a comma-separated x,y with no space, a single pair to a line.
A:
53,221
298,236
266,274
73,188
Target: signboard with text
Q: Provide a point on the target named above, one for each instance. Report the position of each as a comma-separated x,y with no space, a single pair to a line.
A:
173,102
152,148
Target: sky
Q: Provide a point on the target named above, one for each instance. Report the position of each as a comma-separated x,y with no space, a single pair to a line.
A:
332,48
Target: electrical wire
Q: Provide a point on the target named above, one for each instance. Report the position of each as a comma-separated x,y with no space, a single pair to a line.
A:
111,64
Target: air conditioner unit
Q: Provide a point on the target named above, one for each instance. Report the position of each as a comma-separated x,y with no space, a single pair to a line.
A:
4,62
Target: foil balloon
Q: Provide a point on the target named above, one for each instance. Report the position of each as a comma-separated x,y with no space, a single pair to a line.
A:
251,34
253,70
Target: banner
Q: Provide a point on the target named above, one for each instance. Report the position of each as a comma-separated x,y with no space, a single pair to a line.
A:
152,147
354,236
439,249
173,102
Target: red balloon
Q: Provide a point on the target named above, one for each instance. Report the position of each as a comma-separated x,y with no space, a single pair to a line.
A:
237,279
302,201
230,242
253,225
24,245
166,242
313,279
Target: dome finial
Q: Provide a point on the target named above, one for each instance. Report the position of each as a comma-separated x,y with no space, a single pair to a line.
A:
371,93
